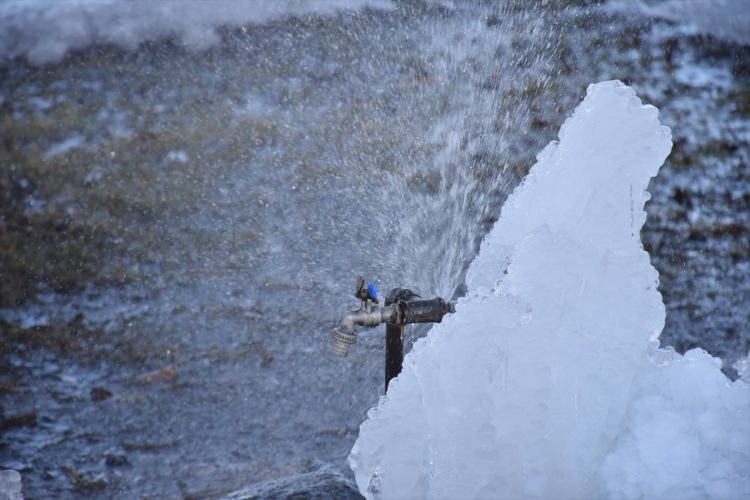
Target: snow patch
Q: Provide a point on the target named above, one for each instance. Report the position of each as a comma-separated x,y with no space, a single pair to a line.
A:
10,485
178,156
75,141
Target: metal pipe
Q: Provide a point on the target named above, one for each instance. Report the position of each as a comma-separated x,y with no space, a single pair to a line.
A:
409,310
394,351
425,311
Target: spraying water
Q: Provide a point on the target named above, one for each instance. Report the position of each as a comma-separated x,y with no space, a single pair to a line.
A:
234,196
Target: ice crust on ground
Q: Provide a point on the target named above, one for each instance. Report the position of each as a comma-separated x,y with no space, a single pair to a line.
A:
548,381
725,19
44,31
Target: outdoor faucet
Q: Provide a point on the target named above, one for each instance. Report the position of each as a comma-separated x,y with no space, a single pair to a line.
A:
402,307
368,314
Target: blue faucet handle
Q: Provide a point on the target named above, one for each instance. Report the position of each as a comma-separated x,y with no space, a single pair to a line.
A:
366,292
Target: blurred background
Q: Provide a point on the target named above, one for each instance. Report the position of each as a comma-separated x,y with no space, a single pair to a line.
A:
189,190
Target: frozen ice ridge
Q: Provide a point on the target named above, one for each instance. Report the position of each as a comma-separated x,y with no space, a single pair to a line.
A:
548,382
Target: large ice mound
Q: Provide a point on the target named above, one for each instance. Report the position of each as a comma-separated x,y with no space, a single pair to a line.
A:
548,381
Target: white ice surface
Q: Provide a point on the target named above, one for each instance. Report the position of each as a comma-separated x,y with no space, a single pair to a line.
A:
548,382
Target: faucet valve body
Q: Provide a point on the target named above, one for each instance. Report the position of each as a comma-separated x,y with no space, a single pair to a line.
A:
345,334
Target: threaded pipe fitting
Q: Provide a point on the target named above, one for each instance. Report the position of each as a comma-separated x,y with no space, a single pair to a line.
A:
342,341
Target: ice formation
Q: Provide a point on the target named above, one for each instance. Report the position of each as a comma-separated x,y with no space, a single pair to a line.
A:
548,381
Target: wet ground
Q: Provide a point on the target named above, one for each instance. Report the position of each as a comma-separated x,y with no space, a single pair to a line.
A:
179,231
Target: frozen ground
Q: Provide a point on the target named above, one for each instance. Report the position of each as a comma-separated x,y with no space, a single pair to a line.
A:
180,229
